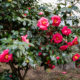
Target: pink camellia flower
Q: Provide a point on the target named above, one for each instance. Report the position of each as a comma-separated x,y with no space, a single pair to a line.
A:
39,54
56,20
40,13
57,57
75,41
5,56
69,44
57,38
75,57
24,39
64,47
64,72
66,31
43,23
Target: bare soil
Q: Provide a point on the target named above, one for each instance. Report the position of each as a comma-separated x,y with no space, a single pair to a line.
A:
56,74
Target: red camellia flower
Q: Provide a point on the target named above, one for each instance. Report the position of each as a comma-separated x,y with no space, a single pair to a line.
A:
10,76
5,56
39,54
64,47
48,62
25,14
51,66
29,8
76,57
69,44
66,31
49,33
43,23
57,38
56,20
24,38
57,57
75,41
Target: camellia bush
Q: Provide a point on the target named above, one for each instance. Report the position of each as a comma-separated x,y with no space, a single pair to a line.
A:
32,36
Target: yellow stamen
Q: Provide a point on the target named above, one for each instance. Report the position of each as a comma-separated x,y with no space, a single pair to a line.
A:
6,56
44,22
76,57
57,38
55,20
75,42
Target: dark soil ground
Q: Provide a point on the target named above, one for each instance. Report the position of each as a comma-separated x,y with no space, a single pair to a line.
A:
40,74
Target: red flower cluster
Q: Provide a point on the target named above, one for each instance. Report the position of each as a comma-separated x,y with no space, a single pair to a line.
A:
69,44
43,22
57,38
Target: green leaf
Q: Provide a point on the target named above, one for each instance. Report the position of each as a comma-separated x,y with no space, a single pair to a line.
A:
1,26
